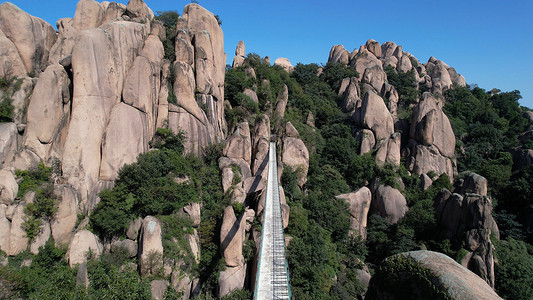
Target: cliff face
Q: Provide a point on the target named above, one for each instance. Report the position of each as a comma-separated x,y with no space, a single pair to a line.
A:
98,88
92,95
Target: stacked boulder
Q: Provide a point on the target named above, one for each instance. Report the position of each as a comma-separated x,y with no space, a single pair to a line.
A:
240,51
373,103
465,216
432,142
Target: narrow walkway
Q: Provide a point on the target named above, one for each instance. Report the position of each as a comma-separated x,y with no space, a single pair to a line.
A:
273,274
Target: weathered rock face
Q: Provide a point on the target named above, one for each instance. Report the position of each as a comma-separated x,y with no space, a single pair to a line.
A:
158,288
66,216
404,64
95,92
10,61
240,52
352,95
41,238
296,155
389,92
8,187
388,49
151,246
18,241
474,184
138,10
364,60
338,54
521,158
239,144
125,126
200,27
389,151
375,76
359,202
232,278
5,229
48,111
65,41
32,36
430,126
261,146
89,14
231,239
284,63
374,115
390,203
83,242
432,142
448,276
281,102
467,218
373,47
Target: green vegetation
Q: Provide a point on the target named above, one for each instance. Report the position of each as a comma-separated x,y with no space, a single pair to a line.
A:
44,203
486,128
169,19
50,277
405,84
402,275
514,271
8,87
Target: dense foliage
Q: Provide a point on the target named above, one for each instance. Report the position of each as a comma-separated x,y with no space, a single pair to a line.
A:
43,202
8,87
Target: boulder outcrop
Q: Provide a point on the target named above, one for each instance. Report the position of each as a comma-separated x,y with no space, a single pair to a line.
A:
338,54
390,203
296,155
150,246
284,63
239,144
240,52
432,143
83,242
447,277
32,36
374,115
467,218
359,202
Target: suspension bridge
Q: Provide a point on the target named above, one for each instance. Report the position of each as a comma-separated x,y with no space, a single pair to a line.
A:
272,280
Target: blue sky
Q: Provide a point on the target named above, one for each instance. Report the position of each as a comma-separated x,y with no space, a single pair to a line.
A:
490,42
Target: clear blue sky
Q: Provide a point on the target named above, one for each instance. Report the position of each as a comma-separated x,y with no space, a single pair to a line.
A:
490,42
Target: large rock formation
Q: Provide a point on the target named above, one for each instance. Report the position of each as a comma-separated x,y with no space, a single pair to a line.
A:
339,55
295,154
359,202
83,243
432,142
374,115
32,36
151,246
240,52
399,278
390,203
467,218
199,35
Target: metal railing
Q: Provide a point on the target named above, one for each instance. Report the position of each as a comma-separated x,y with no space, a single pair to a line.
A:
272,280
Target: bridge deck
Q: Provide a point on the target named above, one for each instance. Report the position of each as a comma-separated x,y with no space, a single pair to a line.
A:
273,274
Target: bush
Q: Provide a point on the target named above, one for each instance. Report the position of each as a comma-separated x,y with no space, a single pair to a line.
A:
514,270
32,178
405,84
159,183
